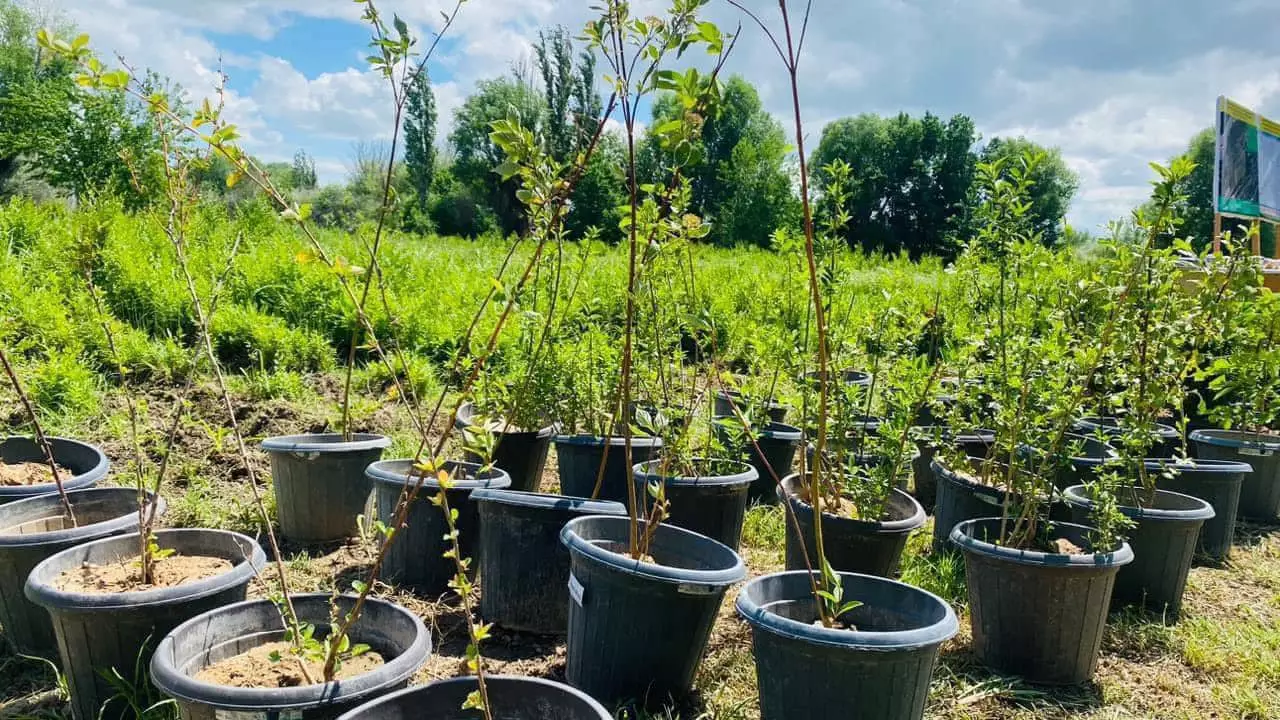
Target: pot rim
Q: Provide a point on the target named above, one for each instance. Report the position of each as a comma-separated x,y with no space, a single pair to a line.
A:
773,430
1180,466
1090,423
466,416
75,482
325,443
172,681
42,592
916,519
1076,495
960,536
731,395
950,435
721,577
381,473
760,616
548,501
612,440
1236,439
746,475
80,533
356,713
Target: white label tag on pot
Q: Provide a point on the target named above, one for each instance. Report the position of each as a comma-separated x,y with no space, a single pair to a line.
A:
576,590
696,589
1255,452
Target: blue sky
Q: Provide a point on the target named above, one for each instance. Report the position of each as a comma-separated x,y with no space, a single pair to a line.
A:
1114,83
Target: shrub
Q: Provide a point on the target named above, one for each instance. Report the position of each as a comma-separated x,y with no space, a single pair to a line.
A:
247,339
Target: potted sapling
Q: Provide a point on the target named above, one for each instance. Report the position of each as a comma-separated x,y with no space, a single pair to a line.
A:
868,514
1149,321
111,599
515,411
43,524
592,451
1246,384
827,642
1038,589
644,594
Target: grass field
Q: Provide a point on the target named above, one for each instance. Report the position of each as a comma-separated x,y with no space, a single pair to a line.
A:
282,329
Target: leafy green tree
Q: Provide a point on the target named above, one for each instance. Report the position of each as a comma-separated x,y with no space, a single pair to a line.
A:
476,156
573,106
911,181
1052,184
302,175
419,145
737,174
600,192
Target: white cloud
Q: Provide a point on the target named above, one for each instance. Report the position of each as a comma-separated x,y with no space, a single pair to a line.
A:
1115,84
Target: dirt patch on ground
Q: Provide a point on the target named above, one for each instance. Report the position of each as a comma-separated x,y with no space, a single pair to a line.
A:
274,666
127,576
30,473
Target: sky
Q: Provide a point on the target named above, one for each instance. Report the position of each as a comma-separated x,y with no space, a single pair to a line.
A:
1116,84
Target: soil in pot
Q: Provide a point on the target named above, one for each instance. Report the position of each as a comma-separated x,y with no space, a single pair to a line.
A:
275,665
857,546
30,473
24,472
231,632
126,575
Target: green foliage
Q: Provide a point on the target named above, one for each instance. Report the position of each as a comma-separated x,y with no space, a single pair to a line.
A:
419,144
476,155
247,338
1052,184
911,183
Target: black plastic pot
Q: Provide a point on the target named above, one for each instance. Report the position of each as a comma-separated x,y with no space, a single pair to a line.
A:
1081,467
98,632
1218,483
524,568
637,630
975,443
1037,615
86,462
31,530
510,698
710,505
1260,491
960,499
879,670
1163,541
778,443
390,630
856,546
724,401
320,483
1167,444
521,453
844,377
416,559
580,457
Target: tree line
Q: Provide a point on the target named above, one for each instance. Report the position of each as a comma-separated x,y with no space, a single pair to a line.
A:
912,188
